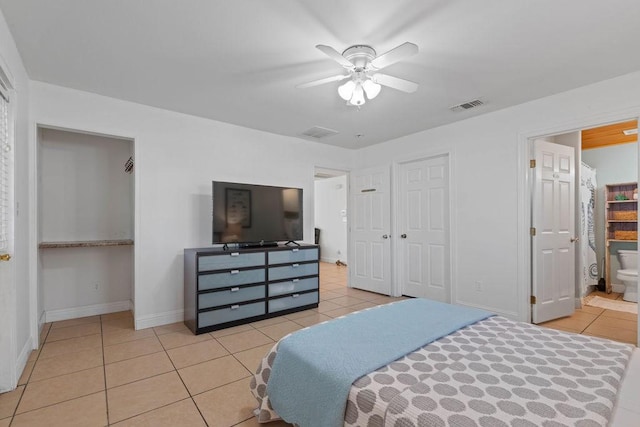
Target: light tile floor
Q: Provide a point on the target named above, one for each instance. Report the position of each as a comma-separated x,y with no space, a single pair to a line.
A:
99,371
599,322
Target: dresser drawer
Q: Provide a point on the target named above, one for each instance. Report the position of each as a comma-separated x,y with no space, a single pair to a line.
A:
230,260
235,312
291,286
230,278
232,296
293,255
293,270
293,301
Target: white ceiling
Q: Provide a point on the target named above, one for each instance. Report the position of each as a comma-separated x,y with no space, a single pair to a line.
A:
239,61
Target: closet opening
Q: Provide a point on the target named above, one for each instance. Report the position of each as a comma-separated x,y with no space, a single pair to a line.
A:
85,196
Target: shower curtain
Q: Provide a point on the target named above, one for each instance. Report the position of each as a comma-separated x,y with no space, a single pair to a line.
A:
587,223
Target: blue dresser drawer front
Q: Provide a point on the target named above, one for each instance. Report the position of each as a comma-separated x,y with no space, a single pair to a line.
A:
293,270
293,255
230,314
230,278
291,286
230,260
232,296
293,301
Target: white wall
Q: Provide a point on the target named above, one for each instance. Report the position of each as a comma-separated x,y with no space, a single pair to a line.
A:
16,316
489,183
85,193
177,157
615,164
330,204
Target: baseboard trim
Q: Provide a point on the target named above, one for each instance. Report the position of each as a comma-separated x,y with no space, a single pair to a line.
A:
159,319
41,321
329,260
87,310
618,288
23,358
508,314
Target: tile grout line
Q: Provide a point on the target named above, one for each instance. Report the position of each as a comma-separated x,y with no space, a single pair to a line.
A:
181,379
28,380
104,370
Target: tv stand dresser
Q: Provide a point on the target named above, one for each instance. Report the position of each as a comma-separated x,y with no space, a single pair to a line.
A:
230,287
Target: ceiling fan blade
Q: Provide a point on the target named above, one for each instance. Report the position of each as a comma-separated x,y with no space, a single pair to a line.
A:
333,54
394,55
322,81
395,83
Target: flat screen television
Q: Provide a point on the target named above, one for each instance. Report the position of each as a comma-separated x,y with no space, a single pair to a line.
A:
256,214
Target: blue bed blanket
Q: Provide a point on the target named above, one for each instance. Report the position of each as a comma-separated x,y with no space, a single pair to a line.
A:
314,368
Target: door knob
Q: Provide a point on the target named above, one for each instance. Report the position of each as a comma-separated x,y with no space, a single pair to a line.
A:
384,236
574,239
5,257
404,236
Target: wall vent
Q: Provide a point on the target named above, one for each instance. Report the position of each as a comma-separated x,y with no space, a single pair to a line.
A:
467,105
318,132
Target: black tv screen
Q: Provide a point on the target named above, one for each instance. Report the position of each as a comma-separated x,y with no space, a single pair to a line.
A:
255,213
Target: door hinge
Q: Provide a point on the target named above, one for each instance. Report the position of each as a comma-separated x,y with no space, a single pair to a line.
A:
533,300
532,163
532,231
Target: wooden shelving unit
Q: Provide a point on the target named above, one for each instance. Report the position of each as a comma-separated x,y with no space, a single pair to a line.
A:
621,219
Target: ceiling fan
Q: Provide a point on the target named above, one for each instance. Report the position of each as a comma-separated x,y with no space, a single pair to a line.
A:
362,65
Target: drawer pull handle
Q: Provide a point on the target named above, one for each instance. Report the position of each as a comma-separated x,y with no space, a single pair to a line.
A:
235,289
295,250
234,253
235,271
295,295
295,280
235,307
295,265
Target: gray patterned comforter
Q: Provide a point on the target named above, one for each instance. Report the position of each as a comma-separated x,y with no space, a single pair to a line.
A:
496,372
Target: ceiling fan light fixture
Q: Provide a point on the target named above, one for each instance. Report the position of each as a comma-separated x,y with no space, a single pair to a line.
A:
371,88
358,95
346,90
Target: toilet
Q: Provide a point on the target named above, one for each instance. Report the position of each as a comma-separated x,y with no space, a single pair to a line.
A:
629,274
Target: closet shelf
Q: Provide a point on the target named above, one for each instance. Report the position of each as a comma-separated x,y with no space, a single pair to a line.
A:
622,220
621,240
85,244
622,201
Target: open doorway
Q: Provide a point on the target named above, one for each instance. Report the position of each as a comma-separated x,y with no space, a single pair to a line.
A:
606,180
611,154
330,213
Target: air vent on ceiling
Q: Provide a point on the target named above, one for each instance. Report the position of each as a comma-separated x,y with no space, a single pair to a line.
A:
318,132
467,105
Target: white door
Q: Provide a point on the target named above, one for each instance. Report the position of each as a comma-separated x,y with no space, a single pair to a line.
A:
8,374
370,256
423,224
553,241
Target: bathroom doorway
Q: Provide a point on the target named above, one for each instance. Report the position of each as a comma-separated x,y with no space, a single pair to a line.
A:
610,158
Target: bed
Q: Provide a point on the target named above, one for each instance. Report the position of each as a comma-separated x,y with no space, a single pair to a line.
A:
487,372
